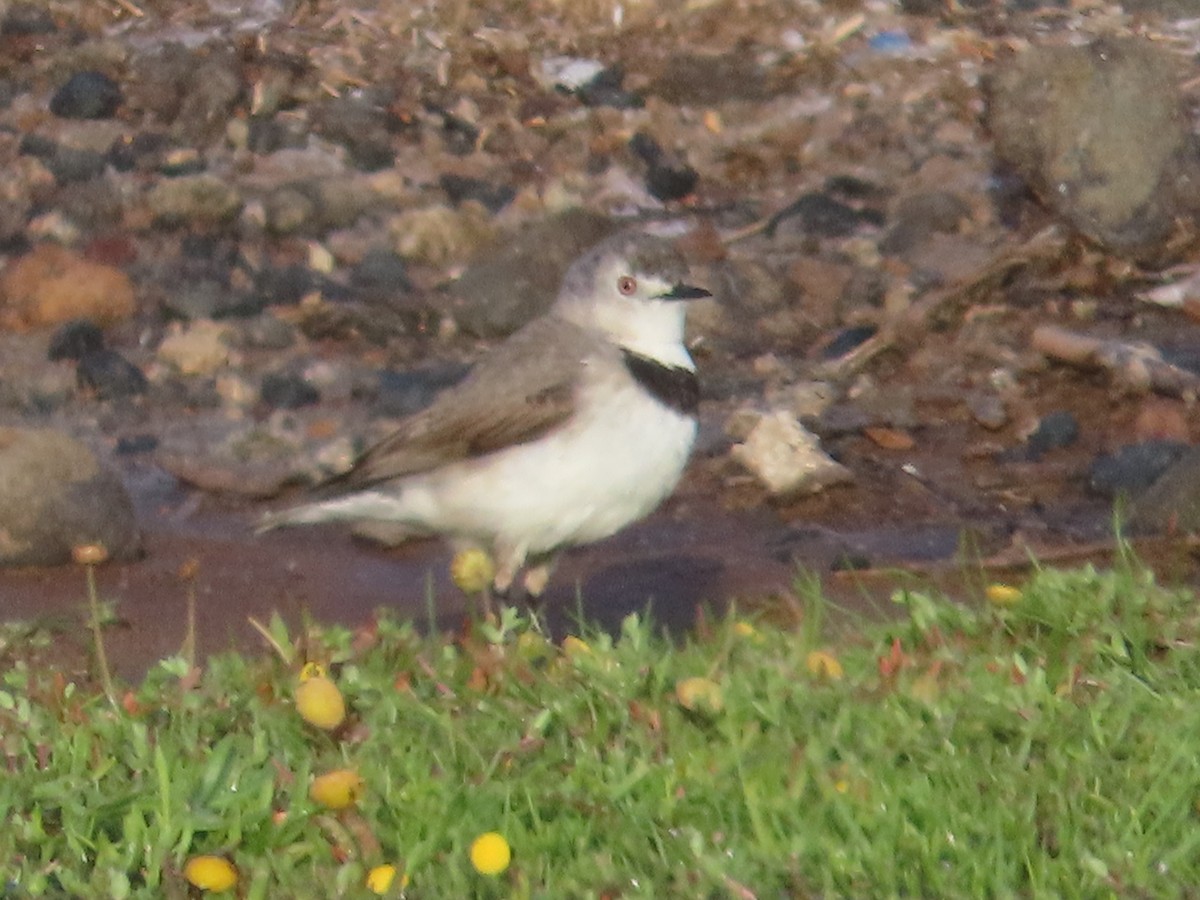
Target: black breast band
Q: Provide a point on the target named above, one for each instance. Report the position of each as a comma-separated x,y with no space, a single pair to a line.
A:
673,386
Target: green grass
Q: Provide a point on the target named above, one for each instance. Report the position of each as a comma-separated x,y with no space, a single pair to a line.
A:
1048,749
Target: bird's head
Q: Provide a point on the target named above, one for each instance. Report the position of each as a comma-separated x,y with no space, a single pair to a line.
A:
632,288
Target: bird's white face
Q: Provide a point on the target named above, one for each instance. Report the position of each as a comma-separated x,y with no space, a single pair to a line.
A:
635,310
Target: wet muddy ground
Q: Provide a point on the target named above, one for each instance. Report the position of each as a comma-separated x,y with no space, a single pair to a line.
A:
282,224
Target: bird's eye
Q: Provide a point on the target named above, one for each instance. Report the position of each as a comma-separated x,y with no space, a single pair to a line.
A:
626,284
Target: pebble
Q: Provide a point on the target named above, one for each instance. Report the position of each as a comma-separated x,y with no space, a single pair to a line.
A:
200,348
820,215
199,199
1055,430
382,275
51,285
75,339
460,188
87,95
786,459
109,375
54,496
285,390
988,410
1131,469
1063,116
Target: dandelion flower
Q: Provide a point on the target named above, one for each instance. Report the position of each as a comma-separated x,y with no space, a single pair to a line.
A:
1002,595
210,873
380,879
337,789
472,570
318,699
824,664
490,853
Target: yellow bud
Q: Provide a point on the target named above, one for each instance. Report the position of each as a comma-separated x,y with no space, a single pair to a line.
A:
490,853
575,647
699,694
472,570
337,789
89,554
824,664
320,703
1002,595
210,873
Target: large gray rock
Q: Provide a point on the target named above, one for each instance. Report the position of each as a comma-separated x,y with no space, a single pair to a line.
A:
503,290
55,495
1101,134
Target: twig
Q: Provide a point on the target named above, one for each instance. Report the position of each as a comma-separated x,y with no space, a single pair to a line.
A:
907,328
1139,367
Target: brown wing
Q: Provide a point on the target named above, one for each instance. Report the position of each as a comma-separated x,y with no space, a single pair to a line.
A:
515,394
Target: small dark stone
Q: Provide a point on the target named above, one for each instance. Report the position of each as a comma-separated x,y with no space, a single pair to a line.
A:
821,215
109,375
87,95
1056,430
269,135
460,136
840,419
8,92
1131,469
666,179
284,390
381,275
285,286
645,148
75,340
360,124
847,339
404,393
27,20
143,150
130,444
851,187
38,146
460,188
72,164
671,182
605,90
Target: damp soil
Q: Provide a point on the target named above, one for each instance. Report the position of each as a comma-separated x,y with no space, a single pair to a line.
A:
841,113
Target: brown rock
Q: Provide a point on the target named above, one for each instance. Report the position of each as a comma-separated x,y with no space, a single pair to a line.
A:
51,285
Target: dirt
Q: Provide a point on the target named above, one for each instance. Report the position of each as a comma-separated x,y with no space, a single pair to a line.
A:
796,105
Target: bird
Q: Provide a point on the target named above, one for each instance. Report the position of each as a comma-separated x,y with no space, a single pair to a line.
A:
575,426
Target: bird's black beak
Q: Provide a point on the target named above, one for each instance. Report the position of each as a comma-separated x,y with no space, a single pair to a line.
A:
684,292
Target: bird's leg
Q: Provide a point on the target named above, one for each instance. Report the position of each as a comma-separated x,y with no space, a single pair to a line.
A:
537,575
508,563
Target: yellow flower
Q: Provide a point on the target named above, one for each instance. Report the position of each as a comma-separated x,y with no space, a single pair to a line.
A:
318,699
1002,595
490,853
824,664
472,570
337,789
380,878
699,694
210,873
747,631
575,647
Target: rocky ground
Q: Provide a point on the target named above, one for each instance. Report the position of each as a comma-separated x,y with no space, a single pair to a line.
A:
952,247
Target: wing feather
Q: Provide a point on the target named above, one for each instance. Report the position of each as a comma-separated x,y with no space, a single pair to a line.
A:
515,394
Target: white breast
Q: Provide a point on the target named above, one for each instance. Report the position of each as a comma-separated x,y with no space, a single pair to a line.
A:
608,466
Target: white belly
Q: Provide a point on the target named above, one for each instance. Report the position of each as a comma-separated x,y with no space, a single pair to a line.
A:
583,482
